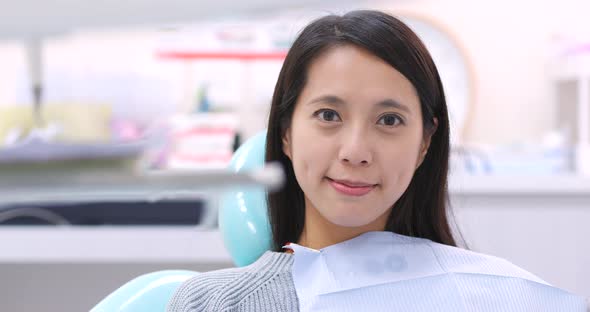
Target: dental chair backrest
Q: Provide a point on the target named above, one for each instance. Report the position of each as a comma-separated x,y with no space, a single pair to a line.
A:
243,222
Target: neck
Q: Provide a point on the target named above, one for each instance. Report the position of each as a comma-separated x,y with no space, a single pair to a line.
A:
319,233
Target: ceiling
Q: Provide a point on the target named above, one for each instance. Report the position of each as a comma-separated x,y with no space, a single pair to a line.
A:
26,18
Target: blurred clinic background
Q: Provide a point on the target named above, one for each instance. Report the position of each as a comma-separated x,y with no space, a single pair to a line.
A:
107,106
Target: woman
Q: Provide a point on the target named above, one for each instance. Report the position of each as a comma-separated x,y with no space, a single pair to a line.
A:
359,122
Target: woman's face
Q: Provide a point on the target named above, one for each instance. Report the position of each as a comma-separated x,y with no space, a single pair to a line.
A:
355,138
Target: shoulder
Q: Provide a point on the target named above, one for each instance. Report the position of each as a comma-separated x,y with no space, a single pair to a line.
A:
225,289
458,260
199,291
505,283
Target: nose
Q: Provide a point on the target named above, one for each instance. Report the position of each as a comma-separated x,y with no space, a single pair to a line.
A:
355,148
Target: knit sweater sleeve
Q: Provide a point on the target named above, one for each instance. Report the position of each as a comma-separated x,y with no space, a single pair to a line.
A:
197,293
266,285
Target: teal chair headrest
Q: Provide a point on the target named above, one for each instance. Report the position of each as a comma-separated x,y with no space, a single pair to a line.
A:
243,217
243,223
149,292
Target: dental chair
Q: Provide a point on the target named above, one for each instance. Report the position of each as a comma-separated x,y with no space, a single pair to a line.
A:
243,223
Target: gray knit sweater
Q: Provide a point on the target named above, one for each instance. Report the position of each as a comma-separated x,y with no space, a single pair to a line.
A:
265,285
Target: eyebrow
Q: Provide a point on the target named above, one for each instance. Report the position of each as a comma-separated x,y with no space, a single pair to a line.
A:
386,103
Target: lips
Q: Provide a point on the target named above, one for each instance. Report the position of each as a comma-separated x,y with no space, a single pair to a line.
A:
351,188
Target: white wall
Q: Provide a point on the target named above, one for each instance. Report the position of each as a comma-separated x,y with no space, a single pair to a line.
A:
545,235
12,62
120,67
509,43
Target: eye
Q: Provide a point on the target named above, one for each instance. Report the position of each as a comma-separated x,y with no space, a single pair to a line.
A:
327,115
390,120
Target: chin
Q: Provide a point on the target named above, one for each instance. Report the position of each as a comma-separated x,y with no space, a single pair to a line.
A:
350,221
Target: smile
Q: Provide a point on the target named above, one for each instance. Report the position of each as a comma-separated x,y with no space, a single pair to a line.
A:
351,188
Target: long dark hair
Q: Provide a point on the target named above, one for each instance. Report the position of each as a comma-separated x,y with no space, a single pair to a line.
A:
422,209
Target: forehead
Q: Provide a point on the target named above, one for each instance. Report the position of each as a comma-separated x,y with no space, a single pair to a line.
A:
356,75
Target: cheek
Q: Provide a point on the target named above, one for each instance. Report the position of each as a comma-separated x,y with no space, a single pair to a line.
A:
311,156
317,158
399,162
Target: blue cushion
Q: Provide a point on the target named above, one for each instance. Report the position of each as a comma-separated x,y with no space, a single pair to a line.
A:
243,223
148,292
243,218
